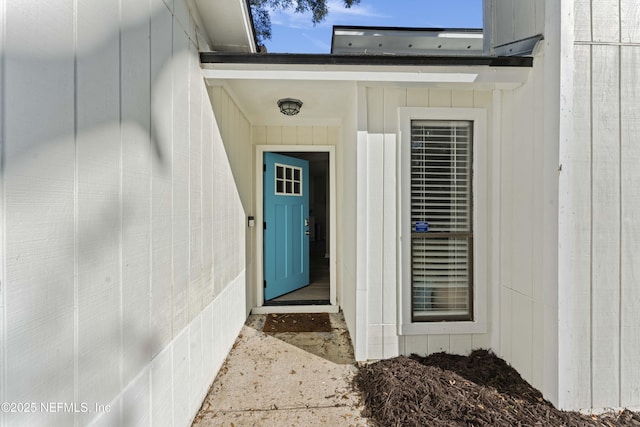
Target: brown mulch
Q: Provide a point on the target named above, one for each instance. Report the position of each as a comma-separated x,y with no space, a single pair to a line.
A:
476,390
297,322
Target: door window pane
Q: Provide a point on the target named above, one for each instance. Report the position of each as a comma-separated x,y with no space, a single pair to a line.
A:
288,180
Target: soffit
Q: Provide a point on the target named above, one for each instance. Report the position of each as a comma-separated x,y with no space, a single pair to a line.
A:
328,88
227,24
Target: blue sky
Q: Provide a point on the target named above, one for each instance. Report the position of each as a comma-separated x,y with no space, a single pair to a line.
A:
295,33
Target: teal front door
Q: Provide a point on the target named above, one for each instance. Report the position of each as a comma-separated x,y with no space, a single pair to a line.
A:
286,224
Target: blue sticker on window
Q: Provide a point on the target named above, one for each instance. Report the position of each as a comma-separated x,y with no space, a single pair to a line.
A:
422,227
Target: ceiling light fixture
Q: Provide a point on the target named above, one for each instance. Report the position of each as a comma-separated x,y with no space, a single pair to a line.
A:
289,106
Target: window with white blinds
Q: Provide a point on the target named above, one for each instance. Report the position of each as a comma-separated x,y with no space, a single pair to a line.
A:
441,220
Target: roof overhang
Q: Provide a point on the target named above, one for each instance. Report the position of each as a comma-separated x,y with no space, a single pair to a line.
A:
506,72
326,83
228,26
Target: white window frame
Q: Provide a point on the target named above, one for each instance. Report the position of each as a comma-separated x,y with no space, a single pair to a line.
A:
480,220
284,180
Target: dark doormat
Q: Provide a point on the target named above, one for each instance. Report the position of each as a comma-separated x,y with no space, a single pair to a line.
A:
297,322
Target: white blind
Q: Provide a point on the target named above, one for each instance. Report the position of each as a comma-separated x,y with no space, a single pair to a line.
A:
441,196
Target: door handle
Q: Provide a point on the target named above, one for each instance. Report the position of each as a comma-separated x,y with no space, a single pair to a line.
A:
306,222
306,232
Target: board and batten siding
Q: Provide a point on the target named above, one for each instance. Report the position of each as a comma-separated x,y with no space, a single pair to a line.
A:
518,204
512,20
122,251
599,231
378,218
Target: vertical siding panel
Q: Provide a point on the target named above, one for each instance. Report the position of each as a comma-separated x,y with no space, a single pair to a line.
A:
605,20
319,135
162,387
417,97
389,288
507,191
247,154
219,209
576,172
259,135
180,378
393,98
98,166
38,180
207,200
539,27
136,189
136,402
438,343
460,344
274,135
629,19
333,136
539,155
416,344
289,135
537,377
506,219
233,144
522,179
439,98
374,233
506,322
630,262
182,17
180,179
162,170
197,386
462,98
375,224
483,99
196,283
524,19
221,109
521,331
504,26
582,9
3,255
605,227
305,135
375,109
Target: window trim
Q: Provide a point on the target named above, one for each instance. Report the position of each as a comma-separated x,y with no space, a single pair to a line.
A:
480,219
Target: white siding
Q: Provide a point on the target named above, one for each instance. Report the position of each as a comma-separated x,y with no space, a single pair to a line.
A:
630,229
378,270
114,288
600,199
512,20
598,188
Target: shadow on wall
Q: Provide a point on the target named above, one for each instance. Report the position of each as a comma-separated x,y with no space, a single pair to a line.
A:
95,114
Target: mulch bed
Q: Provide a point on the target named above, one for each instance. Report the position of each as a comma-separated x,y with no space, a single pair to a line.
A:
476,390
297,322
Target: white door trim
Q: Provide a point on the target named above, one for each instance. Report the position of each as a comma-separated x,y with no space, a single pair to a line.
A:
260,307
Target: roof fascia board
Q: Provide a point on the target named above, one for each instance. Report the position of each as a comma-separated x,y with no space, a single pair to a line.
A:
368,60
510,77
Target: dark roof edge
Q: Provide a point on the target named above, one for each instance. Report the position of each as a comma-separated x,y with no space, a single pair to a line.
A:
390,60
409,29
253,26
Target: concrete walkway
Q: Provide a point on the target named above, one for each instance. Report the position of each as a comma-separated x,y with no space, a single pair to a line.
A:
285,379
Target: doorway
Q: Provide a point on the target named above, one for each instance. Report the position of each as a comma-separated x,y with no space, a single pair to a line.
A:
319,293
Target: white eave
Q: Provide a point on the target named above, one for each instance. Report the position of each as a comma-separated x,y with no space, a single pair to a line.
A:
478,75
228,25
327,84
